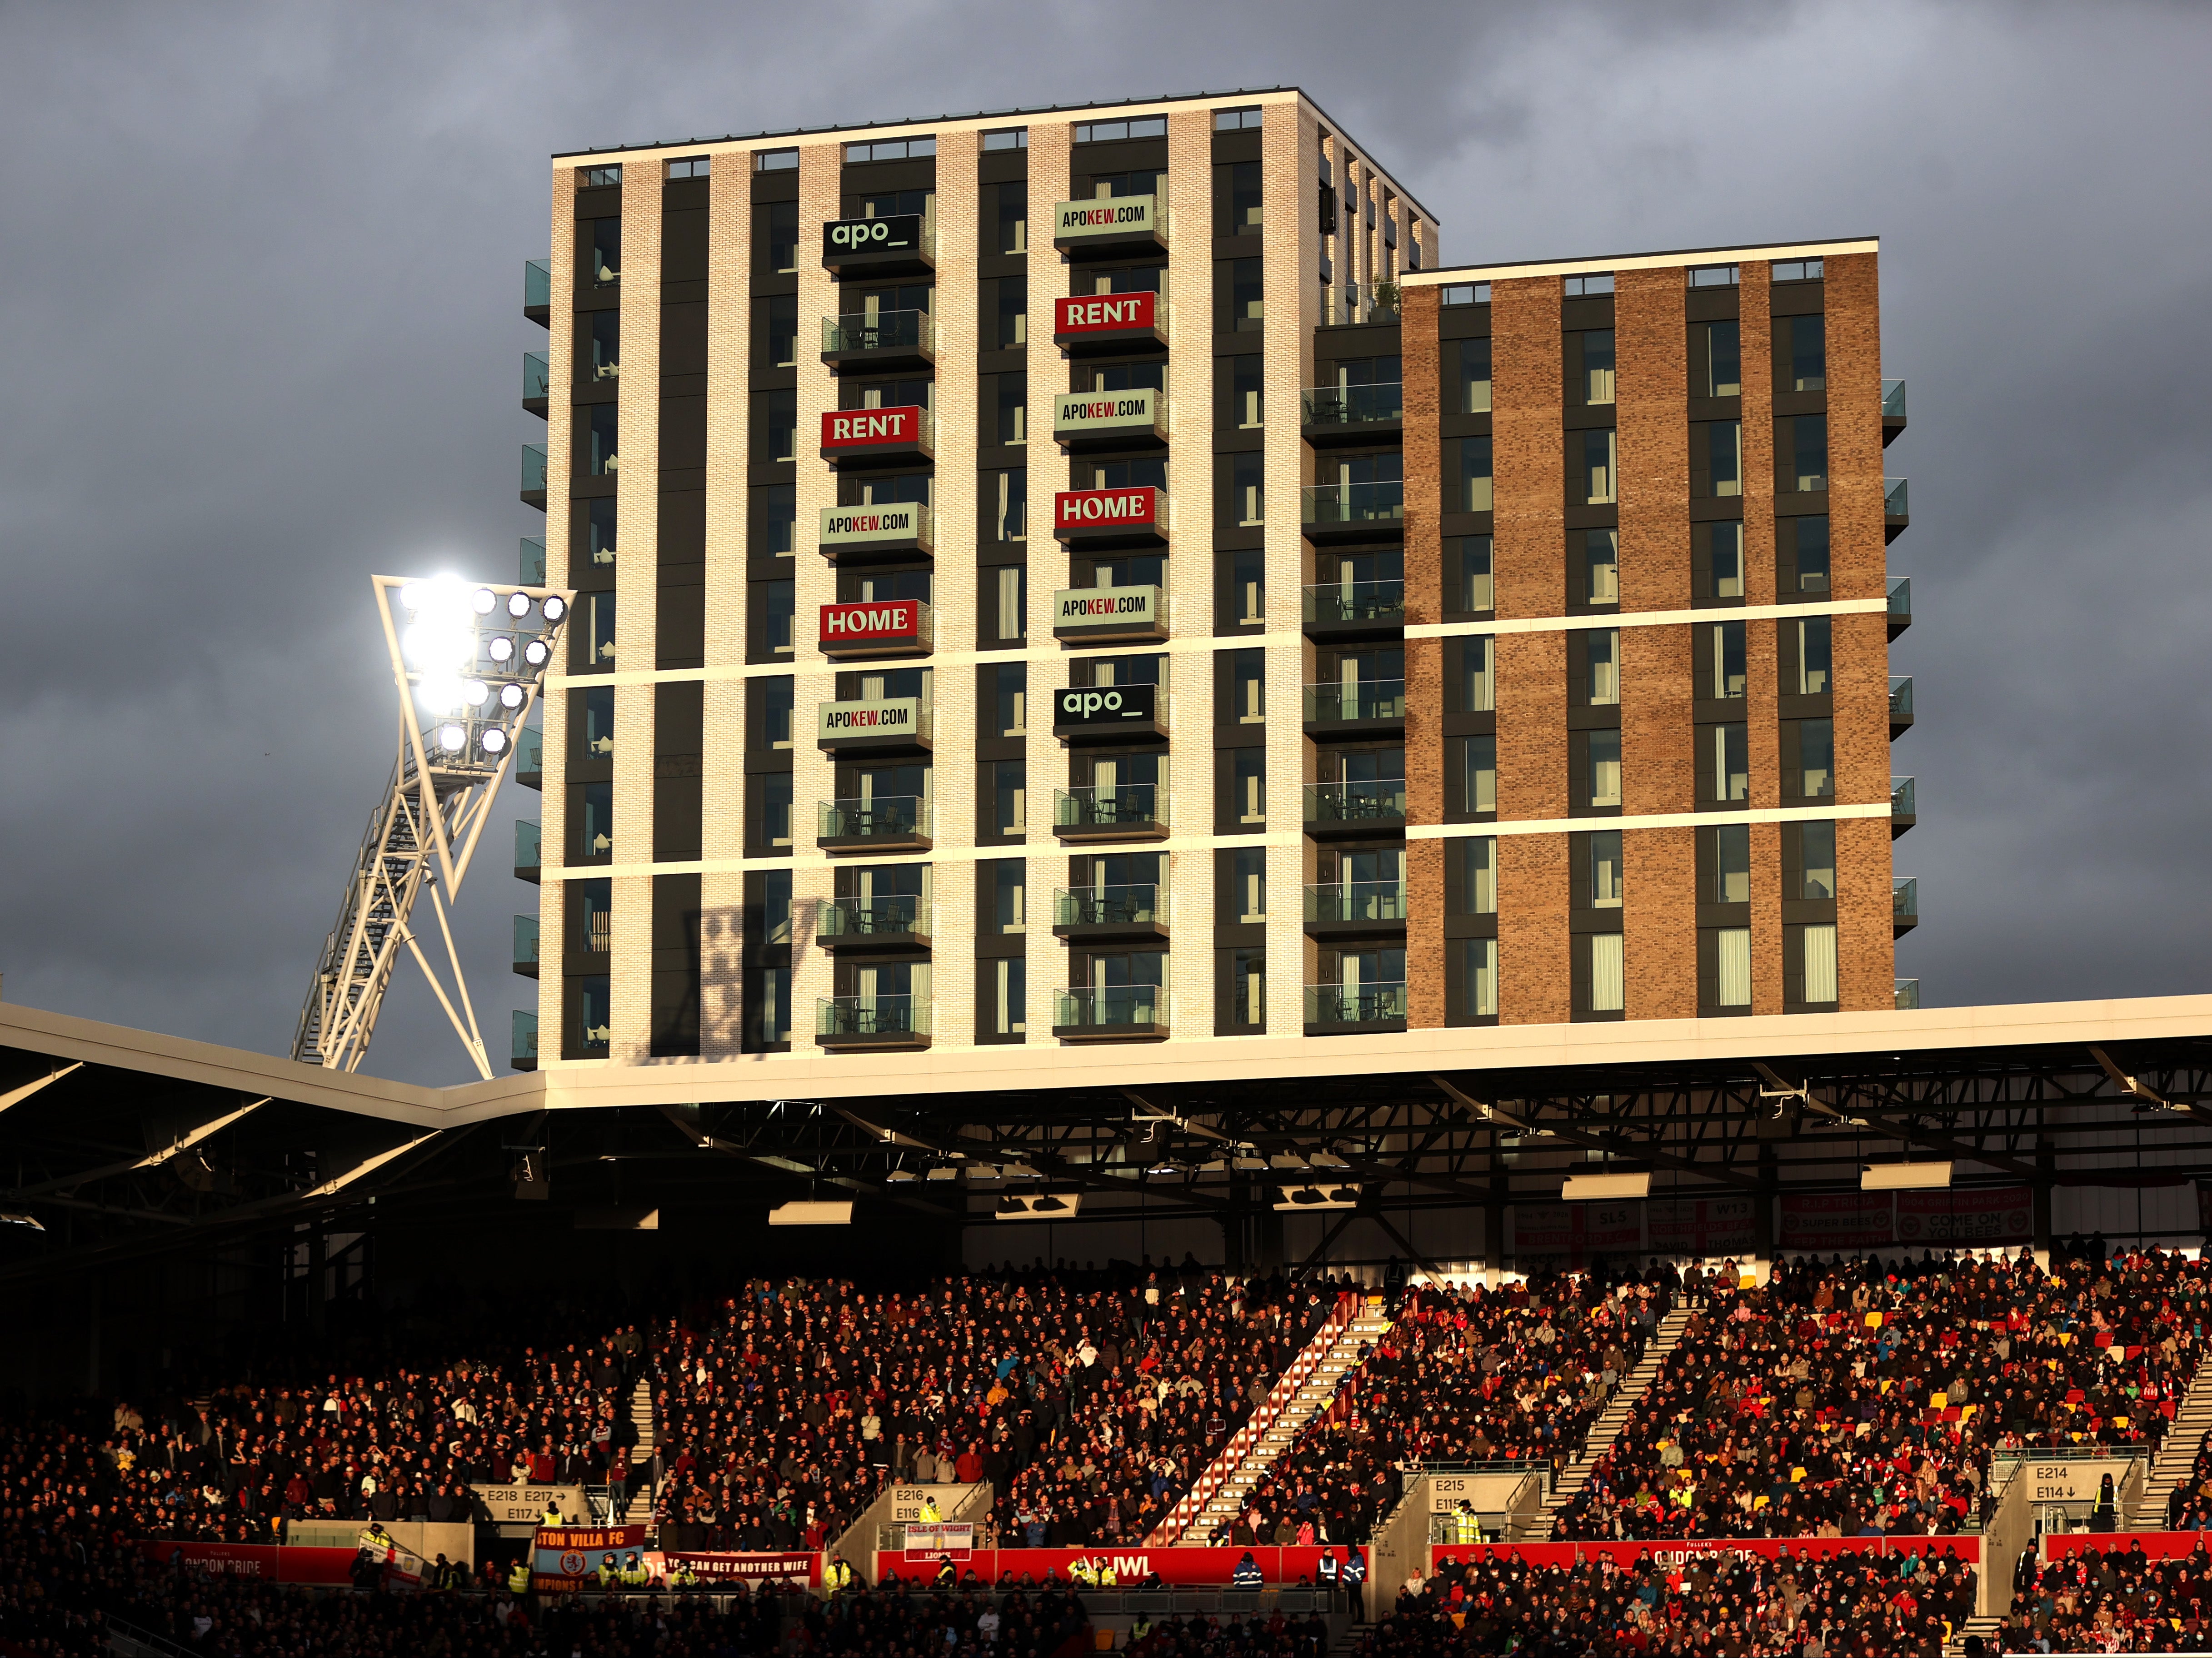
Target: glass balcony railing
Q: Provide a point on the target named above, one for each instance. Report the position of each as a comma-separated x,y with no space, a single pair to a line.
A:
530,751
1901,802
1893,399
536,378
528,857
1908,993
885,817
1137,904
525,944
1905,898
1896,502
536,288
1349,505
1900,700
1127,804
1370,699
1375,801
1356,901
858,1016
1356,601
897,916
533,473
881,331
522,1045
1354,405
1355,1003
1105,1007
1900,602
1359,302
531,572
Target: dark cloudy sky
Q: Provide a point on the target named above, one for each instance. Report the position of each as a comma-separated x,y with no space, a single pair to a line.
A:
261,296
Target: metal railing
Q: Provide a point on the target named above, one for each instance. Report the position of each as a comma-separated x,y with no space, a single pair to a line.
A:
1353,405
1900,599
1905,898
872,1016
1896,502
1356,601
1908,993
1370,699
1355,803
1893,399
881,331
536,378
1360,302
1133,904
538,284
1354,1005
526,944
1125,804
885,817
1327,504
533,469
1356,901
531,565
529,858
529,750
1900,700
1104,1007
898,915
1901,797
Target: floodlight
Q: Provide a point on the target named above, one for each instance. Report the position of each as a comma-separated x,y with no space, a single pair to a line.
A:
475,693
441,693
517,604
484,601
536,652
500,649
493,739
453,738
555,607
510,695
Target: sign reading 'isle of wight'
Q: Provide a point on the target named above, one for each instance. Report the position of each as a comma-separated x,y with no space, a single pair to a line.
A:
1121,216
1135,410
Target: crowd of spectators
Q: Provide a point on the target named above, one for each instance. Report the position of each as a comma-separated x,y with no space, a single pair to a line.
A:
1466,1375
1900,1606
2111,1599
1863,1398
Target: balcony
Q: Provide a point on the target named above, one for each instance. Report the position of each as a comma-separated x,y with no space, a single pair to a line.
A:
1335,810
862,1024
897,244
1109,227
1113,1013
1085,714
1354,305
1348,909
1109,616
537,383
1353,512
877,437
1900,706
890,823
529,757
1355,610
522,1043
1896,509
1901,604
1135,517
1135,419
1902,814
533,476
1892,409
871,534
1083,914
530,567
1345,1010
525,945
529,859
1904,904
871,341
1083,323
1353,414
1373,707
1908,995
877,627
538,296
1132,811
903,724
899,922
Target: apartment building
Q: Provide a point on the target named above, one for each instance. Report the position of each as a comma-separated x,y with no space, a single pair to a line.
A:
1095,576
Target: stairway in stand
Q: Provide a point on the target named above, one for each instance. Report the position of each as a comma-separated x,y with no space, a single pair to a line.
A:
2177,1454
1612,1420
1302,1392
640,1417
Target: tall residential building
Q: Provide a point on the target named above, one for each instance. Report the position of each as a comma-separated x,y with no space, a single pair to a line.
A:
1095,576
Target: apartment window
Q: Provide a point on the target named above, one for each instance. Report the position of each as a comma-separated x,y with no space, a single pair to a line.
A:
1476,773
1248,587
1801,454
1009,980
1801,353
1244,501
599,635
1243,303
1715,359
1471,574
598,347
590,1022
1248,787
1604,873
1474,475
1598,466
1010,605
1801,548
1815,656
1236,198
600,460
1012,216
1601,567
1728,755
1601,667
1010,403
1716,557
1248,989
600,531
1007,497
1818,945
1248,885
776,702
591,177
1798,271
1814,764
771,795
1593,384
779,314
1010,698
1476,681
775,160
1238,406
1479,978
1732,967
1728,864
1009,812
691,166
1816,860
775,427
1232,120
1006,138
1603,952
778,609
1725,675
1100,132
1467,294
597,704
1714,276
1588,287
891,150
1715,458
1475,376
775,520
1248,688
1009,879
1475,862
1601,783
604,261
1011,317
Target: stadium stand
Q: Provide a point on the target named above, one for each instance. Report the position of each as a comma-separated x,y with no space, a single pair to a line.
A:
2113,1600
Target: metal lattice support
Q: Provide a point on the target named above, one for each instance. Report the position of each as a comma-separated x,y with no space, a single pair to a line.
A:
468,669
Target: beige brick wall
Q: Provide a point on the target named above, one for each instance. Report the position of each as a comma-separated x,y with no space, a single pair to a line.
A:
559,446
1049,277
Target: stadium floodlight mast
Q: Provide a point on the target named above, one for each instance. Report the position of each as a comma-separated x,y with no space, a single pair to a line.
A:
468,660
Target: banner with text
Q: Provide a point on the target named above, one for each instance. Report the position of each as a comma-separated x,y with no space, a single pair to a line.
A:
564,1559
1714,1228
1833,1222
1180,1566
712,1569
1574,1233
271,1563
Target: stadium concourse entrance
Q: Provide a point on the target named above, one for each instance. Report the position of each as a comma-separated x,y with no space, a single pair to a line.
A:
166,1197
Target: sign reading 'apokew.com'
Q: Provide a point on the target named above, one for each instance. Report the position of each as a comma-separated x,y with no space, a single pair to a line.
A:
1115,217
1134,410
1110,612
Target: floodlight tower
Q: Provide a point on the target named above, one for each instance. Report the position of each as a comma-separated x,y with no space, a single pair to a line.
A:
468,662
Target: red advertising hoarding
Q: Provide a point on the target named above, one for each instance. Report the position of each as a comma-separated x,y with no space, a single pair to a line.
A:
271,1563
1076,510
867,428
1834,1221
1574,1232
2158,1545
879,622
1673,1549
1966,1218
1710,1228
1197,1566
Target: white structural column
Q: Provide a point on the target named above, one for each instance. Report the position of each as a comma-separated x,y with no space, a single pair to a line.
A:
559,451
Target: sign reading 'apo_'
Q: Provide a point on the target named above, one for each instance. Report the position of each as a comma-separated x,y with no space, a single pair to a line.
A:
895,233
1086,708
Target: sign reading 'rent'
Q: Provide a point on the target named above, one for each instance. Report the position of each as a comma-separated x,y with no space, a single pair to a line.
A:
855,429
1105,314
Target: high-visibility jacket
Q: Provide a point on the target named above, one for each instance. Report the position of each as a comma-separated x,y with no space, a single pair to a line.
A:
1328,1569
929,1514
1467,1526
1108,1577
635,1577
1355,1569
839,1574
608,1576
518,1580
1248,1575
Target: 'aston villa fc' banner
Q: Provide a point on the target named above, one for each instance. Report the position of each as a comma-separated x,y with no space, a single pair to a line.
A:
563,1557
